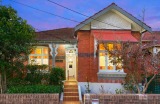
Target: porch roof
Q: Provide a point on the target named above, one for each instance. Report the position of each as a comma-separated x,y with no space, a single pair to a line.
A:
103,35
57,35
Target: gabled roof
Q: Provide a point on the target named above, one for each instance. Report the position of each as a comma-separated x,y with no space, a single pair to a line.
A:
115,7
62,34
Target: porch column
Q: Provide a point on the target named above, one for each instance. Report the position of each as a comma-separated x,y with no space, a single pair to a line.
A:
53,52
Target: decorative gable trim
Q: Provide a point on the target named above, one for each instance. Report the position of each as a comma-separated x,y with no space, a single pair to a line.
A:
115,7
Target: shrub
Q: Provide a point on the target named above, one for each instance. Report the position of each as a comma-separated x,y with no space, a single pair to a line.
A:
35,75
57,75
35,89
16,82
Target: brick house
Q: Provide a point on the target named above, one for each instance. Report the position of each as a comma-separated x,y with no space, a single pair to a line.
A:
80,51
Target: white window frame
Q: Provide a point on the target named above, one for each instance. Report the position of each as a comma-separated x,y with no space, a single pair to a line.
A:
42,55
106,63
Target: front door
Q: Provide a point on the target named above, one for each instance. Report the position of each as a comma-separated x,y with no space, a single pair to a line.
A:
70,63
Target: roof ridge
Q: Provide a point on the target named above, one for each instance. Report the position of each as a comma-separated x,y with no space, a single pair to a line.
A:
56,29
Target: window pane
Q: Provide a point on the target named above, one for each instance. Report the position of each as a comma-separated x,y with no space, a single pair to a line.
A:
118,46
102,61
45,61
101,47
45,50
38,51
119,66
31,57
45,57
110,64
33,52
110,47
38,61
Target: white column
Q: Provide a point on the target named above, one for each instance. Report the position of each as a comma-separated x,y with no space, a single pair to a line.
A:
53,52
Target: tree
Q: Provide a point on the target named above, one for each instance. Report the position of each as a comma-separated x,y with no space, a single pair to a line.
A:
16,38
138,62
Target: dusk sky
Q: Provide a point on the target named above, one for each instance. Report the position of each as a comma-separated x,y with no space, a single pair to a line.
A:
44,21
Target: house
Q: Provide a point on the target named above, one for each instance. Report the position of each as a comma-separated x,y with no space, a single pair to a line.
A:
80,51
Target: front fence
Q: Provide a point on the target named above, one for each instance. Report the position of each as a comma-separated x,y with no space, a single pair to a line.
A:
122,99
29,98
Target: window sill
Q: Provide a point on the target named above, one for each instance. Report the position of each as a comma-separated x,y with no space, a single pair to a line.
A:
111,75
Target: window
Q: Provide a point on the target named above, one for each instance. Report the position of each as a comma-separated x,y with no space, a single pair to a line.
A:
39,56
105,59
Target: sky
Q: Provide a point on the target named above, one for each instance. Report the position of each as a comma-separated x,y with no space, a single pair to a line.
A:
43,21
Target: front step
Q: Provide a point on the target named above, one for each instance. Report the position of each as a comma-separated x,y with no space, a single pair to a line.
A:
70,83
71,94
71,91
70,86
71,98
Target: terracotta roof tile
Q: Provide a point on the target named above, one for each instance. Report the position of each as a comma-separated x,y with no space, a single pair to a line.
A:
152,38
61,34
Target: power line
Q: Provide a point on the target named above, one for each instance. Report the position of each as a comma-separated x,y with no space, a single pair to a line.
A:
61,16
50,14
82,14
45,11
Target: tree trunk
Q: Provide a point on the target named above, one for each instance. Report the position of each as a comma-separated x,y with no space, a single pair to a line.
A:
0,83
5,81
138,89
147,84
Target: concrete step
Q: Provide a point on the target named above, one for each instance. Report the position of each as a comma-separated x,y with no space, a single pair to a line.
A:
71,94
70,90
71,98
71,83
71,86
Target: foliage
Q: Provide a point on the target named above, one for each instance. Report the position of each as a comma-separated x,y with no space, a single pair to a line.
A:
87,86
128,86
154,87
102,90
16,38
139,64
57,75
17,82
34,89
34,75
119,91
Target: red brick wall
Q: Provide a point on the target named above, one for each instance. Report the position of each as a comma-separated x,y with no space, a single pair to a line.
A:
136,34
29,98
60,56
123,98
87,64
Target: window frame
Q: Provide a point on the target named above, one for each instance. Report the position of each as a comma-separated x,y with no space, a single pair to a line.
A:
42,55
107,60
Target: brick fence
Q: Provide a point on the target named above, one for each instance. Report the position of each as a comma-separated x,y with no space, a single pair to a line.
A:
29,98
122,99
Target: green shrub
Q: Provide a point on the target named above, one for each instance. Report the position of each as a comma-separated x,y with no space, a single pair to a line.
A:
56,76
17,82
35,75
34,89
